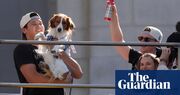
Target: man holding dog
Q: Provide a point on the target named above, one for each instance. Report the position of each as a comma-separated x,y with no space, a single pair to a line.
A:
27,61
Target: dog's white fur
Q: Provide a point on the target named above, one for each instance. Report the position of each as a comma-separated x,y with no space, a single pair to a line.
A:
58,31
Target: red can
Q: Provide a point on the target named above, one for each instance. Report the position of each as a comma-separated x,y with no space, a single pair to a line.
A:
108,14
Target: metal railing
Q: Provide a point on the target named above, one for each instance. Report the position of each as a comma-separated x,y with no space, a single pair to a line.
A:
87,43
46,85
81,43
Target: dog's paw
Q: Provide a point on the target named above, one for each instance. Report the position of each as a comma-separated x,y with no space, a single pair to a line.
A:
39,36
67,77
60,50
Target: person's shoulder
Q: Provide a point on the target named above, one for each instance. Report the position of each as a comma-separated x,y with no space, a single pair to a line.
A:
174,37
22,46
175,33
134,51
134,55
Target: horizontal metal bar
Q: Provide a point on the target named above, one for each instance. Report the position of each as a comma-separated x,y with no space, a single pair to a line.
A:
87,43
45,85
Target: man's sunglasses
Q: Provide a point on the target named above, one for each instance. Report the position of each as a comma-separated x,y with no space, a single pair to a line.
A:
146,39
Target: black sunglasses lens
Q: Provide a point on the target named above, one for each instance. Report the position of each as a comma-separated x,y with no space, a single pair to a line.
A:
146,39
140,38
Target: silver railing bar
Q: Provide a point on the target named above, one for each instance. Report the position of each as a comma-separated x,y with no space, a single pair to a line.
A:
87,43
45,85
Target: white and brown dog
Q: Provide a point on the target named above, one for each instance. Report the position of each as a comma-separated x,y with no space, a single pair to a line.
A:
60,28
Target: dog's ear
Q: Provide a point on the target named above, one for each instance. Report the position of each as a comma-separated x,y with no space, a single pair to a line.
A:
53,21
50,24
70,24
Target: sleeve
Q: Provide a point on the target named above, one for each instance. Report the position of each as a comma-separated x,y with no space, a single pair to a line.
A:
134,56
23,55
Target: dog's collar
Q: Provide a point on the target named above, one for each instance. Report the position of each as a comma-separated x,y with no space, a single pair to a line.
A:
51,38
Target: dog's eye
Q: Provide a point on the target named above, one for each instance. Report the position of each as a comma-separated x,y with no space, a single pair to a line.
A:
63,22
57,22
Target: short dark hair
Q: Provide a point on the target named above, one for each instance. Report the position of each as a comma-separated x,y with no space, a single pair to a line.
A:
178,26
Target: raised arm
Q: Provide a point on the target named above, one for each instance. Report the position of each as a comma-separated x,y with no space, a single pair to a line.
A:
117,34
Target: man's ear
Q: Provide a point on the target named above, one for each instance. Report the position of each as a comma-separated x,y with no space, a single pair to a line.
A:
23,30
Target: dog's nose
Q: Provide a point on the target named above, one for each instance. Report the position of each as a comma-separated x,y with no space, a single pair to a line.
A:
59,29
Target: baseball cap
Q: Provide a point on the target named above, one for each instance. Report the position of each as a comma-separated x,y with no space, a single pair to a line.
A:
27,17
154,32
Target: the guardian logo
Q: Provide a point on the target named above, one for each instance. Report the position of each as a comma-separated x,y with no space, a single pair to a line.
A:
147,82
137,81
